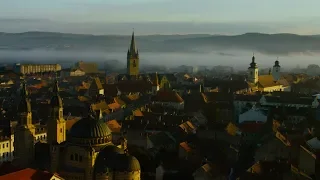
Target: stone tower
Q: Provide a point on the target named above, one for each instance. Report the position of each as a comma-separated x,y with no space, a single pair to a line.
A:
276,70
56,126
133,58
24,133
253,71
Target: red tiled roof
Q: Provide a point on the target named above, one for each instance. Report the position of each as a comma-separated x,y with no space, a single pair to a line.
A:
251,127
27,174
167,96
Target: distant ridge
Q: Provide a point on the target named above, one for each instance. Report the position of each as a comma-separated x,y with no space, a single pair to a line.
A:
189,34
282,43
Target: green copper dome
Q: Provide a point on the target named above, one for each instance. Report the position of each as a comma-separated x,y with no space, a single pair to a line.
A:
89,128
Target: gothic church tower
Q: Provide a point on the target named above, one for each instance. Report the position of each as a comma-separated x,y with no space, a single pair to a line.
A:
24,132
133,58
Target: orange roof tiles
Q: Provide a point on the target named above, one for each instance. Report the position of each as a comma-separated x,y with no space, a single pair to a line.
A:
133,97
100,106
188,127
267,81
185,146
83,98
138,113
167,96
29,174
119,101
114,126
232,129
71,122
114,106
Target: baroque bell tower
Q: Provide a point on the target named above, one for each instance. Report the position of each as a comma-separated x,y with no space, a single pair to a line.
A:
56,132
133,58
253,71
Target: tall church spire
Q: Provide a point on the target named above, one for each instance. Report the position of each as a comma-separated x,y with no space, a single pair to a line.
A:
24,133
133,58
55,99
133,44
24,104
56,124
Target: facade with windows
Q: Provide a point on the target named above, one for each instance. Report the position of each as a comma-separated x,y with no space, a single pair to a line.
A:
6,149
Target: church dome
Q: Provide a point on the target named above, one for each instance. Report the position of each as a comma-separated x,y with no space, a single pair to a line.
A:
89,128
107,152
117,162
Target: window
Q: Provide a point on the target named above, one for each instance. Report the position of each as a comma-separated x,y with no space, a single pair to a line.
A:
60,130
2,145
76,157
71,157
134,63
80,158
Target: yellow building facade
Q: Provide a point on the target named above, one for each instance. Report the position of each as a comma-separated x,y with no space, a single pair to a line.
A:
39,68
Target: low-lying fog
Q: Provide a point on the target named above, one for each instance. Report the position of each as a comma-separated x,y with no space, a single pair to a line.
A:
234,58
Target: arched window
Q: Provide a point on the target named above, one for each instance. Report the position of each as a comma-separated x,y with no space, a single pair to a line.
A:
134,63
71,157
80,158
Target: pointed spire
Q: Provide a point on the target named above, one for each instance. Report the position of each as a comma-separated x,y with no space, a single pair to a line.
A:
276,63
201,88
156,79
253,64
55,88
56,100
253,58
24,105
23,91
133,44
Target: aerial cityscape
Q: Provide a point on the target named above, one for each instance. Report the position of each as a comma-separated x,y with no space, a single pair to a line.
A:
159,99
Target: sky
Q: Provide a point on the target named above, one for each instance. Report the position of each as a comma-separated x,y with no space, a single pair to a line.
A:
304,14
162,10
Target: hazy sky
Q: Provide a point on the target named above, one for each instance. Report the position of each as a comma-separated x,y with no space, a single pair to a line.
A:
163,10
